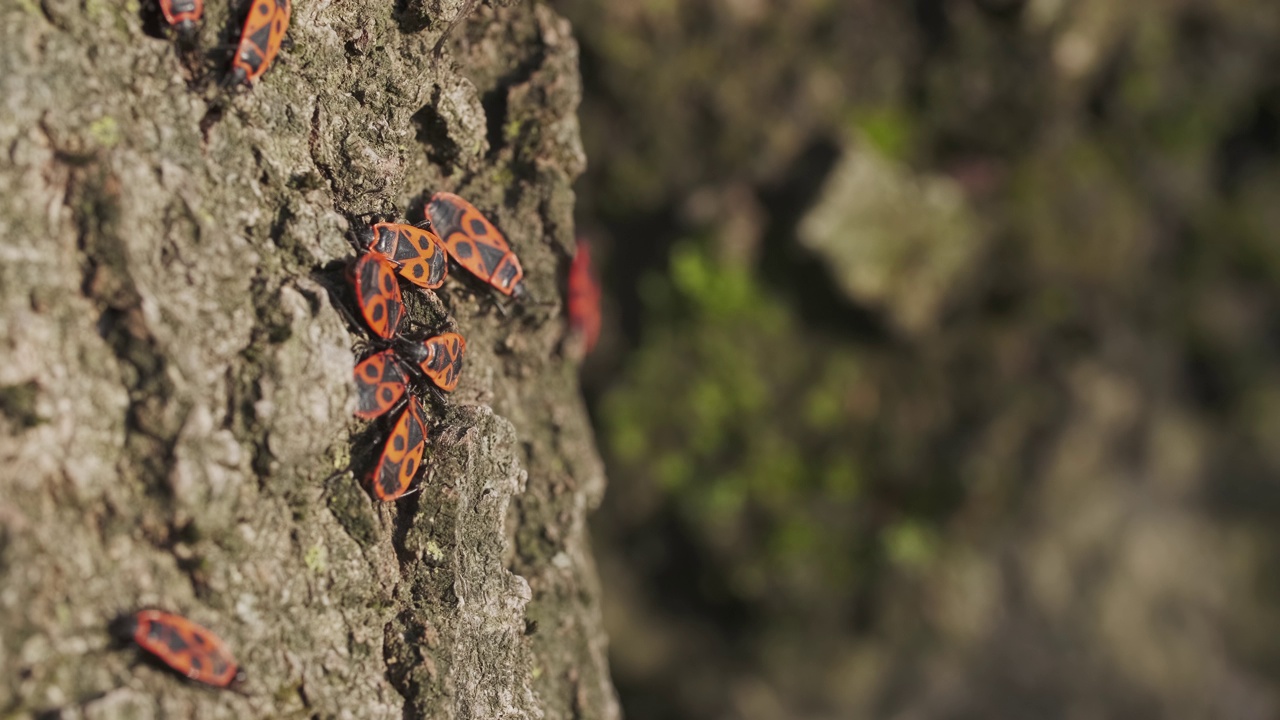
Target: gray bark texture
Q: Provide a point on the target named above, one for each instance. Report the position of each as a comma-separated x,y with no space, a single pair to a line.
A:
176,393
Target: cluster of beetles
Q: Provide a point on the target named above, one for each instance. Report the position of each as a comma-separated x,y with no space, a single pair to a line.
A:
421,257
386,379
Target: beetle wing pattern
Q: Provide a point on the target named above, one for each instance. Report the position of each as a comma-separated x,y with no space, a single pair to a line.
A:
475,243
377,294
420,255
264,30
401,456
441,359
184,646
380,383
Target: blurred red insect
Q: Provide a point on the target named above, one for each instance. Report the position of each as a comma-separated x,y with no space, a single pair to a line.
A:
381,383
401,456
182,14
189,649
264,31
377,294
439,358
419,256
584,297
475,243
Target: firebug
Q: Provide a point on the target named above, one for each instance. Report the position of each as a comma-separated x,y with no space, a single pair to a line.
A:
418,254
189,649
584,297
439,357
402,455
475,243
377,294
264,30
182,14
381,383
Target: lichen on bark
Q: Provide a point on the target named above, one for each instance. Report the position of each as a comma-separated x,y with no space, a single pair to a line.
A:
175,402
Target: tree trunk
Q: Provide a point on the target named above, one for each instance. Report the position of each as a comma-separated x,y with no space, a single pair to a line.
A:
176,396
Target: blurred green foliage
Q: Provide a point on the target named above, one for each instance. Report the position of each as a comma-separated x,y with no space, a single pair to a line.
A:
1102,374
888,129
754,428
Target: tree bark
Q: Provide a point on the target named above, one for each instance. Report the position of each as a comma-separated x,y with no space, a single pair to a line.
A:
176,396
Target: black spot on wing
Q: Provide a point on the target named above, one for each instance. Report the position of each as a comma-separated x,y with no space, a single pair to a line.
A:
423,244
370,370
490,256
406,248
220,665
167,636
260,36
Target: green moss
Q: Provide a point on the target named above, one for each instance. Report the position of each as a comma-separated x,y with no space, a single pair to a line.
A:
738,417
628,438
95,9
821,409
434,551
502,176
286,692
841,478
511,131
673,471
105,131
887,129
910,544
316,558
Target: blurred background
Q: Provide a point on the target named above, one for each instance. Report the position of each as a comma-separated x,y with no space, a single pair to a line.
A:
939,368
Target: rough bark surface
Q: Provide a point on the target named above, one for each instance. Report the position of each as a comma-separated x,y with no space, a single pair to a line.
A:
175,400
